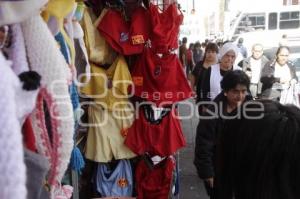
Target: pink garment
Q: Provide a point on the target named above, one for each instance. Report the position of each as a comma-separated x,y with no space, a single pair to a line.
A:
47,60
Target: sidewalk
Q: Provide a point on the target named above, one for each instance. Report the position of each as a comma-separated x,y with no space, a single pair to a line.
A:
191,187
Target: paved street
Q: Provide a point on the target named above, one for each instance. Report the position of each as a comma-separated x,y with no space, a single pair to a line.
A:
191,187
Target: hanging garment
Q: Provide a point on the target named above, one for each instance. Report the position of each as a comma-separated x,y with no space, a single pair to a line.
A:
82,65
118,35
68,23
30,80
116,181
107,131
37,167
154,181
47,60
28,136
60,10
109,87
80,9
165,28
140,28
99,51
153,114
17,52
160,79
143,136
13,12
12,167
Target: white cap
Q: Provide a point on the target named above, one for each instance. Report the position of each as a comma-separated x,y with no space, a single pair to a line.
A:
227,47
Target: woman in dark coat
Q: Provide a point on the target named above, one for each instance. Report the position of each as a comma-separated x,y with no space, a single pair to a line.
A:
235,86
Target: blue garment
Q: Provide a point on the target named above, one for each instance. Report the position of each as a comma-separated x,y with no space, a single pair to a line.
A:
117,182
63,46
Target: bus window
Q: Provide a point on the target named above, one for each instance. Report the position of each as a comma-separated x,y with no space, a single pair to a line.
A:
273,21
251,22
261,21
289,20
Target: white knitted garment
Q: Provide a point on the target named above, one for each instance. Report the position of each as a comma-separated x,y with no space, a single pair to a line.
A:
17,52
12,167
12,12
45,58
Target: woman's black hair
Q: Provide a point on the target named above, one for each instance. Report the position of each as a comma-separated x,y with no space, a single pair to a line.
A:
211,46
261,153
233,78
280,48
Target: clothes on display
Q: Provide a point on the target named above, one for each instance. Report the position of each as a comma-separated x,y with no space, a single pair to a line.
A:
13,12
17,51
12,166
99,51
59,56
55,75
139,27
151,70
107,132
60,10
165,27
118,34
116,181
37,169
82,65
144,136
154,181
109,87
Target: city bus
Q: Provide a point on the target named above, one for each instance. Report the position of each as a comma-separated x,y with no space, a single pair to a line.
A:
271,27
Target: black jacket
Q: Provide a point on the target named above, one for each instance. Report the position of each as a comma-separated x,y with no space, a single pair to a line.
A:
208,131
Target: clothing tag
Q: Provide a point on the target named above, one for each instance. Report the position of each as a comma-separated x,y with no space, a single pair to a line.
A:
137,39
138,80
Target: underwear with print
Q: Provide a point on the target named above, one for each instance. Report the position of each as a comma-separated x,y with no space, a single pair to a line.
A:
116,181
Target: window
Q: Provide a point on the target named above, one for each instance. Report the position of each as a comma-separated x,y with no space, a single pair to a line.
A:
260,20
295,15
289,20
251,22
272,21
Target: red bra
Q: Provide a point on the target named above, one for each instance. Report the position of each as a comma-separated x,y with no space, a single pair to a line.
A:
165,28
